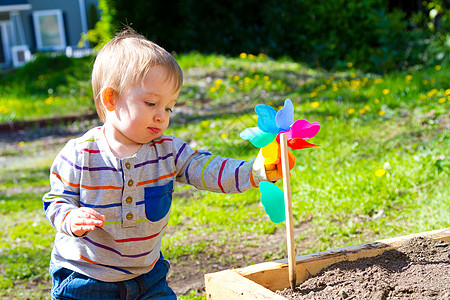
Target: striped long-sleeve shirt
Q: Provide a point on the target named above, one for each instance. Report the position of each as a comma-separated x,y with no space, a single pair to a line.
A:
134,194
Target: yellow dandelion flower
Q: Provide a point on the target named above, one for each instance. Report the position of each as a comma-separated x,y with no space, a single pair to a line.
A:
4,109
441,100
266,78
312,95
231,90
422,97
437,67
350,111
49,100
349,64
243,55
212,90
223,135
268,83
21,144
380,172
381,112
247,80
218,82
315,104
378,80
376,101
219,61
447,92
256,77
329,118
335,88
262,56
251,56
204,123
386,91
362,111
353,75
432,93
236,77
366,107
252,70
408,77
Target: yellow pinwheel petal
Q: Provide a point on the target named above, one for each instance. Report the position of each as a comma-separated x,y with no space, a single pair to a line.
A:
270,153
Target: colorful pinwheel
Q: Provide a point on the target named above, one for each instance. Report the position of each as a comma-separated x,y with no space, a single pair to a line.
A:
266,136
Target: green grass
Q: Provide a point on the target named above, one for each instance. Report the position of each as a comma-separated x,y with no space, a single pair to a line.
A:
394,126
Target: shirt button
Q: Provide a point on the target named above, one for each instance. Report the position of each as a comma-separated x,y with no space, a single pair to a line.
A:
128,166
130,182
129,216
129,200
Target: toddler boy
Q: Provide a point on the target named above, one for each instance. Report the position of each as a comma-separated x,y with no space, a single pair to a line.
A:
111,189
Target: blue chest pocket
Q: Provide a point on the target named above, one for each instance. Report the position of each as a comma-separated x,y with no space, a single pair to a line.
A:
158,200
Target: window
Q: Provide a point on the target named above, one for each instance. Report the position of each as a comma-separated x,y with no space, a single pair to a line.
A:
20,55
49,29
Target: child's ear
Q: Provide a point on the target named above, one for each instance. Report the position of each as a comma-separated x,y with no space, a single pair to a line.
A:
109,98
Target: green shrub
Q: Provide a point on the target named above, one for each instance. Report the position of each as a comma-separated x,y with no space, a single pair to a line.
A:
48,75
322,33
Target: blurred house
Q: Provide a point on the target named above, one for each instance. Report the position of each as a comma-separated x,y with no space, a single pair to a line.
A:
30,26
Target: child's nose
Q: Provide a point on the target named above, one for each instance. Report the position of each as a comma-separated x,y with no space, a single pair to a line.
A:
159,116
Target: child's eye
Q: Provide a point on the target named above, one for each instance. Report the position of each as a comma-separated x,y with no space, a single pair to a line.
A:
169,109
150,103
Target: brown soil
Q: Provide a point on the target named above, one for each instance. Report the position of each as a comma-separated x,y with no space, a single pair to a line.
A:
186,274
420,269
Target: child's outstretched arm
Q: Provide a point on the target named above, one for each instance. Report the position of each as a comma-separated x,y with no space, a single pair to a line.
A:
210,172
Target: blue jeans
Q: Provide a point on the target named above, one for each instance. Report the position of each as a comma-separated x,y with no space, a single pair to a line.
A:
68,284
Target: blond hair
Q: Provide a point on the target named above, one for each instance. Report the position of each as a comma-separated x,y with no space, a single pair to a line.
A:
125,61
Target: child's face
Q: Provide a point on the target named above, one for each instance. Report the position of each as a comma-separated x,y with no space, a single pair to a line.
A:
141,113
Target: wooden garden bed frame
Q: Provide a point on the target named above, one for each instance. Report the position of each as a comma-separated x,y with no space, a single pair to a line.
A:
261,280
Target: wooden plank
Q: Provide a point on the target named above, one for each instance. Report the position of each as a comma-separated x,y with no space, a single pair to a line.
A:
260,280
273,275
229,285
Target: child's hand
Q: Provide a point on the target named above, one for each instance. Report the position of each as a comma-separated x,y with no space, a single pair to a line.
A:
85,219
272,172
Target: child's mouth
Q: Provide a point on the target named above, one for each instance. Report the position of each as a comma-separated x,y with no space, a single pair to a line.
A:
153,129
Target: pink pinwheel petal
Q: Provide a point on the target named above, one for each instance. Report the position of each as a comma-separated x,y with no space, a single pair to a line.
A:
302,129
297,144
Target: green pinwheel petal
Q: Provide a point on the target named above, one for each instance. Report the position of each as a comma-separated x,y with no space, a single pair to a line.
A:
272,198
257,137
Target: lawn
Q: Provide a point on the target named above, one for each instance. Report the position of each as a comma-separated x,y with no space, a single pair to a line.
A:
381,170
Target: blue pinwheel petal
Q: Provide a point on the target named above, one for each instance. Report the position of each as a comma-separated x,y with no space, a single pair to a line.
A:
257,137
285,116
272,198
266,118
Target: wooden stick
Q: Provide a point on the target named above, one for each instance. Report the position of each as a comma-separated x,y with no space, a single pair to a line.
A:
288,206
